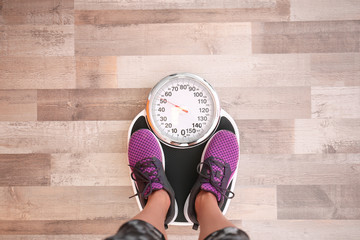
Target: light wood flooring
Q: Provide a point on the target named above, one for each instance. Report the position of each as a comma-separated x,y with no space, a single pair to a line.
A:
73,74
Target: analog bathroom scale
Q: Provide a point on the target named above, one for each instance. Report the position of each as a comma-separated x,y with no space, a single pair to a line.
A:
183,111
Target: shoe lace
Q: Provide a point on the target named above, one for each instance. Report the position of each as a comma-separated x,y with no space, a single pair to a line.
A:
212,174
140,173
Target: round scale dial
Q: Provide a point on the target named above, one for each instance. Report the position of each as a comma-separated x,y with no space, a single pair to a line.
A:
183,110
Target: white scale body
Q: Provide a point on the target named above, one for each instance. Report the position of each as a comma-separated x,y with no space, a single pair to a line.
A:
183,111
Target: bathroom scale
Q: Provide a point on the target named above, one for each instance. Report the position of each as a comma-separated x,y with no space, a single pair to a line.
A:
183,111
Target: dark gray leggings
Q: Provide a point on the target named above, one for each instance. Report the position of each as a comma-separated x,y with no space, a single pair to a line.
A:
140,230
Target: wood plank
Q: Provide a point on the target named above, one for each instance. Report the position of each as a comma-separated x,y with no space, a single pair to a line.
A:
306,37
37,40
300,230
37,72
157,39
38,12
298,169
253,202
260,70
1,12
169,4
256,169
75,227
335,102
63,137
279,12
24,169
322,10
300,136
267,103
335,69
181,233
54,237
327,136
266,136
18,105
90,104
182,236
3,39
319,202
93,169
96,72
66,203
59,227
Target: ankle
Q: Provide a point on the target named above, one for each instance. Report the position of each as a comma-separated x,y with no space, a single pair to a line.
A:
160,197
204,199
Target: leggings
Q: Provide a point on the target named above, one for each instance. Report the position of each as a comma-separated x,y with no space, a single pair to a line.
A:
141,230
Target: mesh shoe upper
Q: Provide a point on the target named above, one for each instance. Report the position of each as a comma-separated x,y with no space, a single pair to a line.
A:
143,144
143,147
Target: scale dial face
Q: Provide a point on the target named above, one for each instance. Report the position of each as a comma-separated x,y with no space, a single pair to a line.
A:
183,110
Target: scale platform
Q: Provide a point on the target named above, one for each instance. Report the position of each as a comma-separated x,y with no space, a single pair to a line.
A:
181,164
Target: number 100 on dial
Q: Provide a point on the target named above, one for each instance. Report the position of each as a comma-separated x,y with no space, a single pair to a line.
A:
183,110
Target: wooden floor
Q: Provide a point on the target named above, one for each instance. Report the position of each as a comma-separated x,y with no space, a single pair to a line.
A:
73,74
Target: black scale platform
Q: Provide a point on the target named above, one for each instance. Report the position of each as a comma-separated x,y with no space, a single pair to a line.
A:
181,164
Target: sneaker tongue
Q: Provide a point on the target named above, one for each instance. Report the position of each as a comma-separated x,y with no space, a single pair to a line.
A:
148,167
216,179
154,186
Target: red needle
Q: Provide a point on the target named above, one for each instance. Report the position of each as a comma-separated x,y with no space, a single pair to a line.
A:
175,105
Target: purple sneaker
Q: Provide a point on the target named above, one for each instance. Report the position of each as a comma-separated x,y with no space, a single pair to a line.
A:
216,170
146,160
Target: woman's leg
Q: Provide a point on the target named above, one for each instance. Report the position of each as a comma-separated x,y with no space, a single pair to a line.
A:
209,215
154,191
155,210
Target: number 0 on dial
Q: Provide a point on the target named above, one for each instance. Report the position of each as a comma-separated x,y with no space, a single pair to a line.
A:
183,110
